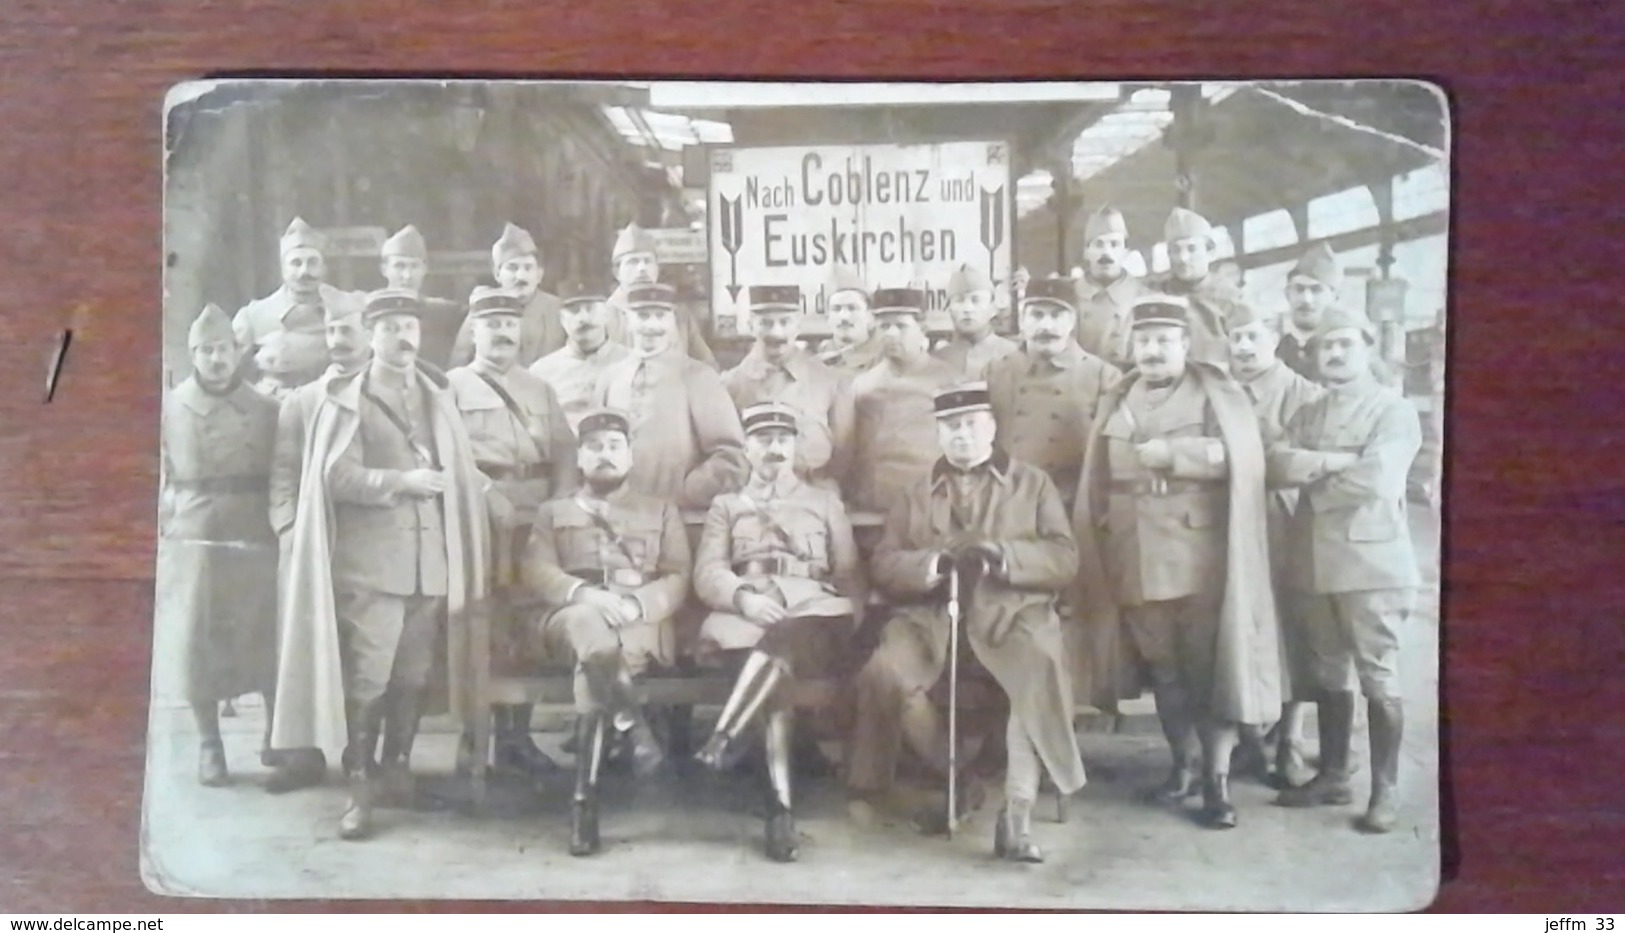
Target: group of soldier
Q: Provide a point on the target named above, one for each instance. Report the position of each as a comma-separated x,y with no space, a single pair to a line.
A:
1156,486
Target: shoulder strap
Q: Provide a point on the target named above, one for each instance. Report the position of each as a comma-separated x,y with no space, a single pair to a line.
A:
399,423
517,412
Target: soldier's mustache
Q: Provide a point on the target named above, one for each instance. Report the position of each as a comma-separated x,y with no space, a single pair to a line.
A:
405,345
504,342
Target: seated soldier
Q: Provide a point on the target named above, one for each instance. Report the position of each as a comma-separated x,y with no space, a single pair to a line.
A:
611,567
778,564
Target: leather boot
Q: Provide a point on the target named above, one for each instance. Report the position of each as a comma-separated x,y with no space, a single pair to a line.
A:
516,751
1330,785
1182,781
782,838
365,721
1012,834
1289,762
589,735
395,785
295,769
1217,811
211,765
1387,722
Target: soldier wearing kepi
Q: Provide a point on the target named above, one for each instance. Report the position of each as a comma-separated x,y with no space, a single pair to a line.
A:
1107,292
1189,239
348,350
389,556
1000,525
637,265
778,370
516,263
853,346
972,308
217,567
525,450
778,565
1311,289
894,444
404,262
573,370
612,567
1277,393
294,311
1171,527
687,445
1045,397
1350,552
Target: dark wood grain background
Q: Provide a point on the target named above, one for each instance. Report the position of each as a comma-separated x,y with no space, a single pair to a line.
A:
1536,499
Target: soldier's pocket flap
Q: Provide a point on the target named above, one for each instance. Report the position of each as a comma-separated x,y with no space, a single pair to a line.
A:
1375,521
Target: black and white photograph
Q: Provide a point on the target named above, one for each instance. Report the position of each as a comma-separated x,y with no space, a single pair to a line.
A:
1005,495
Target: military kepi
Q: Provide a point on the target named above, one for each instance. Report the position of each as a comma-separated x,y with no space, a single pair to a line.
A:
656,295
389,301
577,291
899,301
775,298
961,398
211,325
1160,311
1052,291
486,301
768,415
604,419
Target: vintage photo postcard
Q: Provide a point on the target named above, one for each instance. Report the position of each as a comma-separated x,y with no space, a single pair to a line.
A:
965,495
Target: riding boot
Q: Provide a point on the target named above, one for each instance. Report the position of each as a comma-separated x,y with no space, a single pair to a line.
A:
360,767
395,784
730,723
1012,834
589,736
1288,746
211,766
1387,724
515,749
1330,785
782,842
1181,736
647,752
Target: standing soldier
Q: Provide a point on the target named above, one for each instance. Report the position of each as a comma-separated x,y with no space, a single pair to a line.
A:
999,524
777,369
1045,397
348,351
853,346
294,311
389,555
1276,393
637,265
1170,520
218,569
1311,289
972,308
524,449
573,369
686,441
1107,290
1350,552
1189,239
612,567
516,263
405,263
778,565
893,444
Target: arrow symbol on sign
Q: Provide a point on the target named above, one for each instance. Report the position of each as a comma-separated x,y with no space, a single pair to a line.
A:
992,222
732,221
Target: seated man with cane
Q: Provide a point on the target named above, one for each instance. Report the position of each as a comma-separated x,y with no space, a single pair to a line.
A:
778,564
994,530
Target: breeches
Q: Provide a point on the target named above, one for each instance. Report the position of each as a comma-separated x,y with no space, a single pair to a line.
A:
583,634
1361,626
1178,639
386,639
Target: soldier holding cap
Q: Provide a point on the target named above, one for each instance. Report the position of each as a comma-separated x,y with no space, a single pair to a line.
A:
516,263
1107,291
525,451
636,264
1311,289
295,309
1000,525
1189,239
573,369
894,443
971,307
389,555
1277,393
778,565
687,445
611,565
216,568
1045,397
404,262
853,346
778,370
1350,552
1170,519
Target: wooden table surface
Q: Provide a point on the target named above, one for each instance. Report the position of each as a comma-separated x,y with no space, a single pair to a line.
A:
1535,805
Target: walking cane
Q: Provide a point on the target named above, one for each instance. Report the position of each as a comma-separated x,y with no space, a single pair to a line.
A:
953,699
